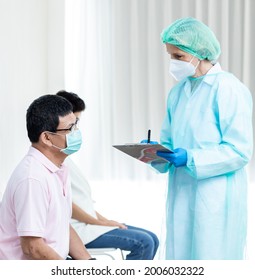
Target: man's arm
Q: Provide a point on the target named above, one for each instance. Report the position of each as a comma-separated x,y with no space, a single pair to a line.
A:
36,249
77,249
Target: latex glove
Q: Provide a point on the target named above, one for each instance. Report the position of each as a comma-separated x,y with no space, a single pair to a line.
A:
177,158
145,141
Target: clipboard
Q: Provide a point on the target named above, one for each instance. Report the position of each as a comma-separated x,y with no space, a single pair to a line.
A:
146,153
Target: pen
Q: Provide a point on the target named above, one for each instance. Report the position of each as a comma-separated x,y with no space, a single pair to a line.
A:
149,136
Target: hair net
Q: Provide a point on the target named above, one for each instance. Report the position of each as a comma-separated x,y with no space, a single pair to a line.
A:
194,37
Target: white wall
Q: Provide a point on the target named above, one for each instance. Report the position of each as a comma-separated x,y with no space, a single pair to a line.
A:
56,48
31,64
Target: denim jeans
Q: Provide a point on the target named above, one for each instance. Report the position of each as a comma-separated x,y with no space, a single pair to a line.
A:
141,243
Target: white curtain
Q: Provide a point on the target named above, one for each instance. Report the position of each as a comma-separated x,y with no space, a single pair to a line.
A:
112,50
115,61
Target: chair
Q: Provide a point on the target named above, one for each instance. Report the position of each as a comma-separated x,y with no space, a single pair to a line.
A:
105,252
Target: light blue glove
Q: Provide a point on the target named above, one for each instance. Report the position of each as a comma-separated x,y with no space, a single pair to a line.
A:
146,142
177,158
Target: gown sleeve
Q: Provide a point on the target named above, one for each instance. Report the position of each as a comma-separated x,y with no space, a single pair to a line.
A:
234,112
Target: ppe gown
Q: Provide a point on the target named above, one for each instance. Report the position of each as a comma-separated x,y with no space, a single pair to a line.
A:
206,211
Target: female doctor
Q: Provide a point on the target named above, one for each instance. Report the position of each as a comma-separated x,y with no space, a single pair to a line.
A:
208,126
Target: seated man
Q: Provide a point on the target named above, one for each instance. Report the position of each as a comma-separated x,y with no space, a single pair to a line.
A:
35,211
95,230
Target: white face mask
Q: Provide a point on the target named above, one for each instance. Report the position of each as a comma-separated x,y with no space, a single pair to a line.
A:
182,69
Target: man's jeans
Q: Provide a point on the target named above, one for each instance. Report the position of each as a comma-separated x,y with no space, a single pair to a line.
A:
141,243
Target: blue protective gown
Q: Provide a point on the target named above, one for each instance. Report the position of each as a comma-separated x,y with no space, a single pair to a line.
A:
206,202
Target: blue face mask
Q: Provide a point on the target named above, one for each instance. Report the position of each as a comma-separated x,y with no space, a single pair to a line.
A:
73,141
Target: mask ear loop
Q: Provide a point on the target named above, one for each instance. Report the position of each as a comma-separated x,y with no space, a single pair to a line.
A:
192,59
47,137
197,62
51,141
194,65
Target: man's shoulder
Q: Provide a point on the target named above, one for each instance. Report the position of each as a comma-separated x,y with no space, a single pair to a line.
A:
28,168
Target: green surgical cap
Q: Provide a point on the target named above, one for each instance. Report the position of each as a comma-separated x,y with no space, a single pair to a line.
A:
194,37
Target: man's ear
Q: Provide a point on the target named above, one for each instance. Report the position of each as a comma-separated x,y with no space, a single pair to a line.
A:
45,139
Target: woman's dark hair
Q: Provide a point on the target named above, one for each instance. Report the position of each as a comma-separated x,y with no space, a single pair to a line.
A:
74,99
43,115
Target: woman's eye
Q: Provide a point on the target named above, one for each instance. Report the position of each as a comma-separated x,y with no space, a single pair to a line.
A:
178,56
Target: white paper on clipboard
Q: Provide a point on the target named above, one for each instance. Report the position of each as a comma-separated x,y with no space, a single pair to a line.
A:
146,153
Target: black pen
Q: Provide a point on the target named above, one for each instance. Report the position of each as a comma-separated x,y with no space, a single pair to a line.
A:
149,136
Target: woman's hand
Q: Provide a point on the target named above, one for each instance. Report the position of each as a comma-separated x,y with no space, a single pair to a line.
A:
177,158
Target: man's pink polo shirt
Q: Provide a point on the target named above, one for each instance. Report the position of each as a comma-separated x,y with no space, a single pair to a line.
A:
36,202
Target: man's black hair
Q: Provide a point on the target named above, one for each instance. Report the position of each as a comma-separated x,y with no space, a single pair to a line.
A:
43,115
74,99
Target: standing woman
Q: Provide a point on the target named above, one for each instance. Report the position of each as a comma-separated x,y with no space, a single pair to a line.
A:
208,125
